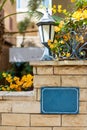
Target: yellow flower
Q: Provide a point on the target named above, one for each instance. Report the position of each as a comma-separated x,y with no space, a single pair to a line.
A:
57,29
8,88
67,54
72,1
51,46
29,77
84,14
64,11
65,38
55,41
12,86
9,79
59,8
77,38
54,6
3,89
81,39
61,24
54,9
77,15
62,42
4,74
24,78
16,78
27,84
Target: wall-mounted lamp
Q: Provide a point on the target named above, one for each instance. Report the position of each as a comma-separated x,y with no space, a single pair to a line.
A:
46,31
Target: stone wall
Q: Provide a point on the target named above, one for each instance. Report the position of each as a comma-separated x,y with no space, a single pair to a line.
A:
22,112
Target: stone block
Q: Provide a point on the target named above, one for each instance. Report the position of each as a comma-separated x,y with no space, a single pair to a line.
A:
7,128
15,119
34,70
5,106
38,94
26,107
70,128
0,119
74,120
34,128
83,107
78,81
83,94
45,70
46,80
74,70
45,120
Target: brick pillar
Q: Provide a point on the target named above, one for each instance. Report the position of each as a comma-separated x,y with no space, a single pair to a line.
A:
61,73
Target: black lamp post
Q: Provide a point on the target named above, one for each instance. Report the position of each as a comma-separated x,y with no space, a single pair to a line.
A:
46,31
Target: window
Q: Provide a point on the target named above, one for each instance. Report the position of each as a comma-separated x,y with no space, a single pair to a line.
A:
47,3
21,4
18,3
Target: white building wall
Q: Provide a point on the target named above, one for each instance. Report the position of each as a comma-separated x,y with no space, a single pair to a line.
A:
22,7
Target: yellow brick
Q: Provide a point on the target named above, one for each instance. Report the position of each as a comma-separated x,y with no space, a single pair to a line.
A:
15,119
0,120
74,120
79,81
5,106
33,128
83,94
45,120
26,107
70,70
70,128
45,70
49,80
7,128
38,95
83,107
34,70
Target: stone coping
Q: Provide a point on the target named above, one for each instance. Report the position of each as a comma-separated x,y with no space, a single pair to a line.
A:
59,63
8,93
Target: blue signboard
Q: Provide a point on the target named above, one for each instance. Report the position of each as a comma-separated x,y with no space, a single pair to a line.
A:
59,100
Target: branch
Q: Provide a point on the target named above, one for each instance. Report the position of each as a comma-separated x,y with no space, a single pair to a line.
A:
13,33
11,15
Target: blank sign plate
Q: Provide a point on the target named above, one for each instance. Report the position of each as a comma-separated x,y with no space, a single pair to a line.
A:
59,100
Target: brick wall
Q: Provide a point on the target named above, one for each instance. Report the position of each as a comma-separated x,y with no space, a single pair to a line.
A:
23,112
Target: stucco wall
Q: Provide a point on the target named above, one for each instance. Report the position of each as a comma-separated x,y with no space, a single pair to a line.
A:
23,112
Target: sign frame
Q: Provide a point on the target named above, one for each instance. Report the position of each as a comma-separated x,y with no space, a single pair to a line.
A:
46,98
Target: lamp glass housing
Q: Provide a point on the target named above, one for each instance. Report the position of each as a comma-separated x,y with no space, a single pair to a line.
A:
46,32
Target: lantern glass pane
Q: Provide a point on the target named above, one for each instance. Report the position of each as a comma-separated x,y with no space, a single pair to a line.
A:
41,33
46,32
52,32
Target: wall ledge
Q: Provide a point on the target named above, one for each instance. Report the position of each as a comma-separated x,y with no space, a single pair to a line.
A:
16,94
59,63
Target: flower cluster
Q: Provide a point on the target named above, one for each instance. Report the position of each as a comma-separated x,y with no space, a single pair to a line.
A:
70,31
17,84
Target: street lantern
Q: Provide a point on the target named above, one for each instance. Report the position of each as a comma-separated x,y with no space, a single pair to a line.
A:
46,29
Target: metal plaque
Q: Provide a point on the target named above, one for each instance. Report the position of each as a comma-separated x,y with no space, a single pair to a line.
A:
59,100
